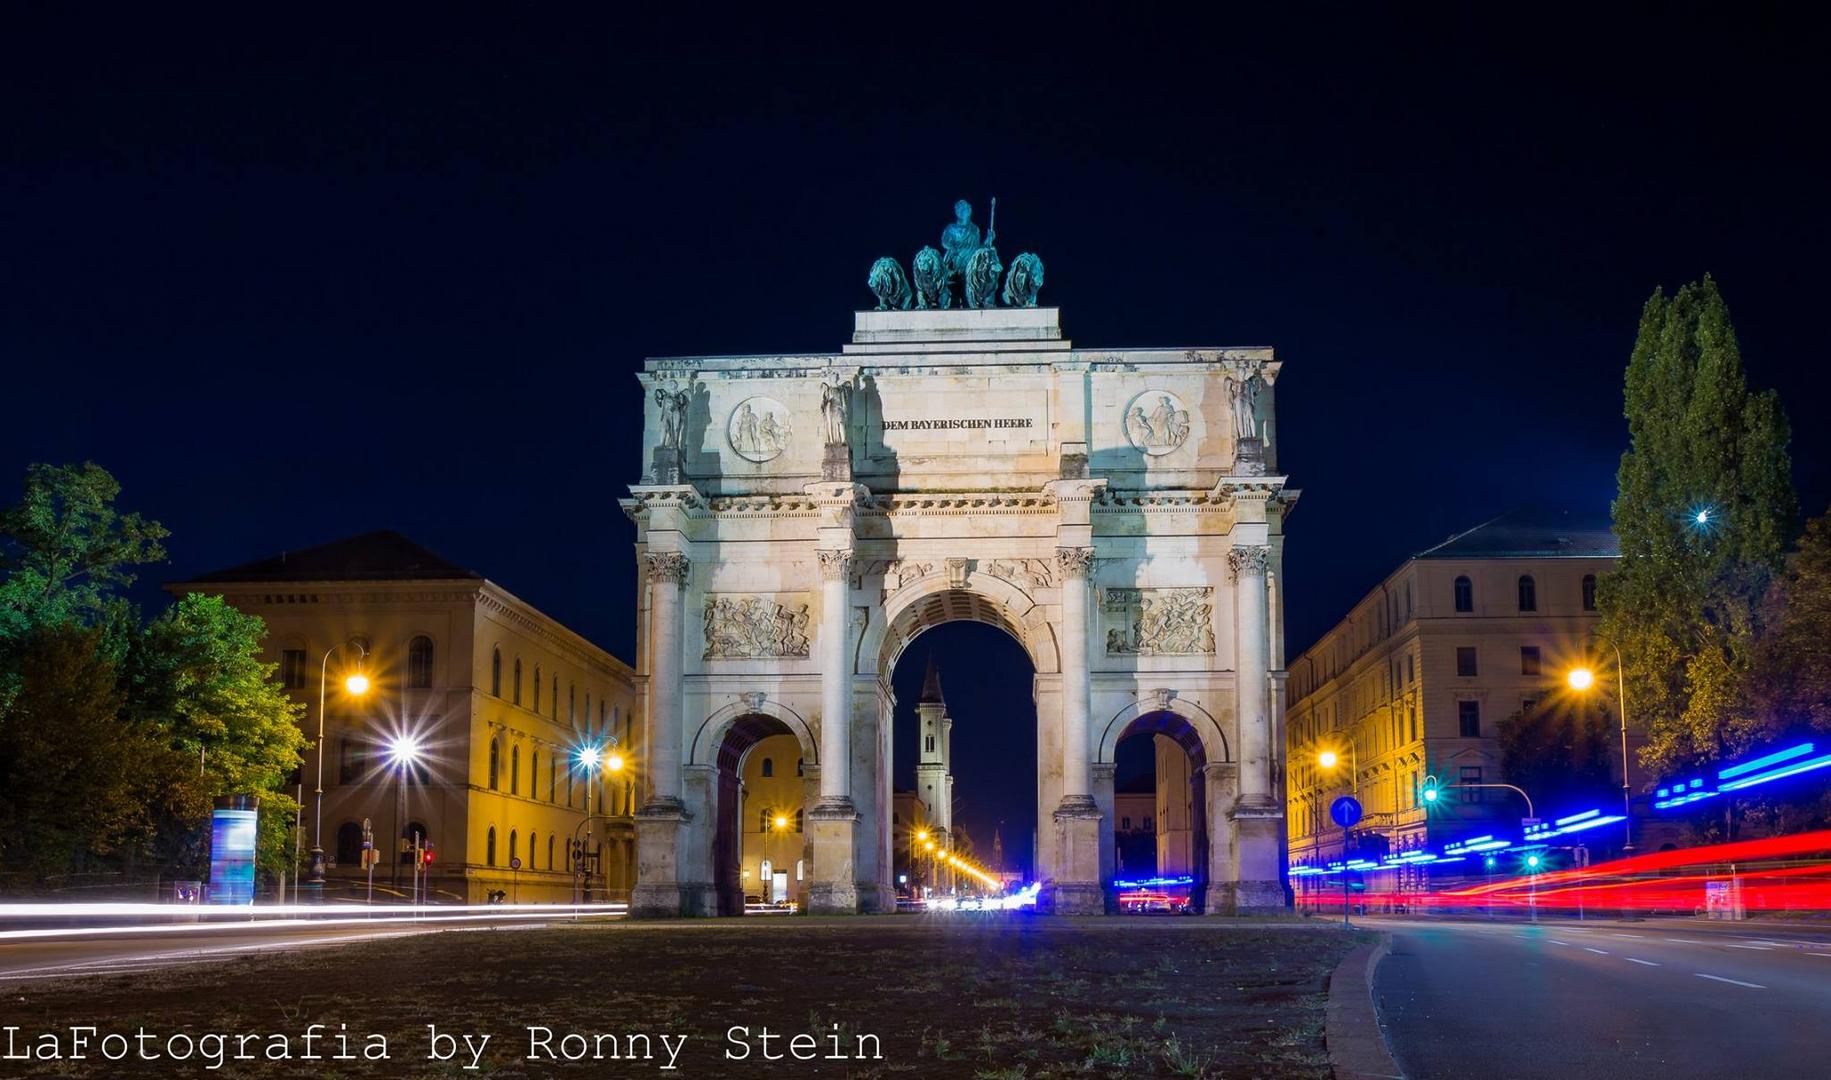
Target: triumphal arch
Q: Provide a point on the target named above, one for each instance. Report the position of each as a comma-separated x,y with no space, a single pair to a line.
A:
802,518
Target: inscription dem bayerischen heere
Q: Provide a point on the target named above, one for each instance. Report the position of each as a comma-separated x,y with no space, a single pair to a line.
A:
944,423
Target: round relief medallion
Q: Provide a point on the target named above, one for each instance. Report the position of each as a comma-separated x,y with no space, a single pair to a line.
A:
1156,422
758,429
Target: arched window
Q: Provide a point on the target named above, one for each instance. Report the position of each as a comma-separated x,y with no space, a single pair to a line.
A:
588,706
495,764
534,776
549,851
602,725
769,767
419,663
1528,593
515,770
1465,594
514,845
569,783
555,704
553,778
1589,592
517,698
533,851
489,848
536,687
349,843
495,672
572,701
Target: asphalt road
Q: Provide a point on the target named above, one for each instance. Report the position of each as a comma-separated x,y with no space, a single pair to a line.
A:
1664,999
79,954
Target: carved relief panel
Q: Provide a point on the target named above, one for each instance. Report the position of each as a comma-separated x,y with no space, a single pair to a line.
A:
744,627
1158,622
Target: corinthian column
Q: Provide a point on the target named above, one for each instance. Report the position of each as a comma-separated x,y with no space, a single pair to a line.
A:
835,683
1251,678
667,572
1077,786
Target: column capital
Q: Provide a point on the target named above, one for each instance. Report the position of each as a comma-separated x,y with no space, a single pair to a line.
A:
835,565
667,568
1248,559
1075,562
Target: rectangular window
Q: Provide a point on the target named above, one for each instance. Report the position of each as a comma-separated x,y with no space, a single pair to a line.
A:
1529,660
1468,719
292,669
1527,704
1465,660
1471,775
1410,672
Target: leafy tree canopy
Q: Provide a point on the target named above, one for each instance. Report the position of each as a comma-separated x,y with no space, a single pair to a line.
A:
1685,603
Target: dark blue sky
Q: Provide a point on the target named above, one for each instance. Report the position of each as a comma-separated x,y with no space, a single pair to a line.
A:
292,278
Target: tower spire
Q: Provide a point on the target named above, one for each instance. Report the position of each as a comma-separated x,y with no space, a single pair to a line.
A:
931,685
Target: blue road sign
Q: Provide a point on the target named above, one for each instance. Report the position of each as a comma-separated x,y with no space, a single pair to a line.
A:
1345,811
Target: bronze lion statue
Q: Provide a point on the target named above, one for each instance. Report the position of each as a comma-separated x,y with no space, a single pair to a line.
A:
889,285
930,273
982,270
1024,280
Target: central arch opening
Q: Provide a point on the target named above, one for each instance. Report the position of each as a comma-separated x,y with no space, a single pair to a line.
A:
1161,850
964,748
759,856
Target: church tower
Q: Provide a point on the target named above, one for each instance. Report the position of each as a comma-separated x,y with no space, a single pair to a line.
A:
934,766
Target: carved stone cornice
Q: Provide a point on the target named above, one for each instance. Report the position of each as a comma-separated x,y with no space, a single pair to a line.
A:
1127,499
667,568
1248,559
835,565
963,502
643,500
1075,562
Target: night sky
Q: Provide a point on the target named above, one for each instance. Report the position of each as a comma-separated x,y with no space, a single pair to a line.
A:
292,278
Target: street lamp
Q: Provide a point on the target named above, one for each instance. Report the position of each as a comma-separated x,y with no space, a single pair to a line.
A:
1581,679
592,760
355,684
403,753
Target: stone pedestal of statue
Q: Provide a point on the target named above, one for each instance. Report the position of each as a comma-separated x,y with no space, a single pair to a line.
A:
660,838
1077,889
836,465
834,890
666,466
1258,888
1249,457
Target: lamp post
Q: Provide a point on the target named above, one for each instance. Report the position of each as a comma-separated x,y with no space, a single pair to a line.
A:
403,754
1329,759
593,761
1581,679
357,684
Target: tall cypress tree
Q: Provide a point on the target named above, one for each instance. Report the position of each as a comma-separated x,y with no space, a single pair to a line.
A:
1684,604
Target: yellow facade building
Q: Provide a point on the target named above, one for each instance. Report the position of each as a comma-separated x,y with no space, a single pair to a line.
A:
475,734
1412,684
772,821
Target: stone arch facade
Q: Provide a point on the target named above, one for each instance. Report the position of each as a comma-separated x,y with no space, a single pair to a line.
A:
801,519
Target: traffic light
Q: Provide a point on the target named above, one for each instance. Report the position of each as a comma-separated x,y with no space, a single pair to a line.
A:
426,855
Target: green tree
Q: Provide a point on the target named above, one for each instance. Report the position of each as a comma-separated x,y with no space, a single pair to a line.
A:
196,676
76,779
1685,602
65,552
1793,662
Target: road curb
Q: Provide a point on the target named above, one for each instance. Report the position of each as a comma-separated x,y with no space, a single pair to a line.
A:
1357,1046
